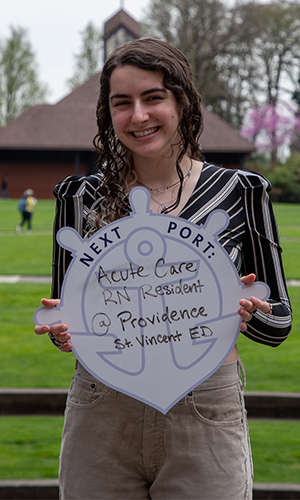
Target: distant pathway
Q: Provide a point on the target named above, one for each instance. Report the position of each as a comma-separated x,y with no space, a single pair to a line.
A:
12,279
24,279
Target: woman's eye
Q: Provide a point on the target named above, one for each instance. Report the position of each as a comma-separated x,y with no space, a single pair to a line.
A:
121,103
155,98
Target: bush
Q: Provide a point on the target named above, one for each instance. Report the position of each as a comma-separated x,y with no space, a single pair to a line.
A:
285,178
286,181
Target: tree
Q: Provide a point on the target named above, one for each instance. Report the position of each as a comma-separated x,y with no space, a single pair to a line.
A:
242,54
270,34
271,128
200,30
296,94
19,84
88,61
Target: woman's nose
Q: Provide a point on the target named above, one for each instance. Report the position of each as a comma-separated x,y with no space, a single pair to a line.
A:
139,113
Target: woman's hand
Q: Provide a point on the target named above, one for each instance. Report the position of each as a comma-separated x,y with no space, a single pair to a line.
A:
58,331
248,307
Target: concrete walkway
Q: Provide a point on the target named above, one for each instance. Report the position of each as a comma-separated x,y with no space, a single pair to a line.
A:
12,279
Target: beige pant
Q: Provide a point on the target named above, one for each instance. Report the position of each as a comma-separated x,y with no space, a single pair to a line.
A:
115,447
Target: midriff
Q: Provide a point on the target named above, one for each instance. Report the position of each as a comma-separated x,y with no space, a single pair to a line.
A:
233,356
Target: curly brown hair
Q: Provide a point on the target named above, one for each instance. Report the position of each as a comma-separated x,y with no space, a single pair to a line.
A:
114,160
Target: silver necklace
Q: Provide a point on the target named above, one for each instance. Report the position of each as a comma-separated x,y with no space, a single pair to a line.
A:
163,189
163,206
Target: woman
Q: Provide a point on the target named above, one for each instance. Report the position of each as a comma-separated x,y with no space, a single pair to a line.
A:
113,446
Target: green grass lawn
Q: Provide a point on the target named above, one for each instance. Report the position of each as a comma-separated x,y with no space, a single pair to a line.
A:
26,359
29,446
26,254
288,220
42,218
274,369
31,254
31,361
276,450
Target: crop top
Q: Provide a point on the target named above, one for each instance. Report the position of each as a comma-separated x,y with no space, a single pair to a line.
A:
251,237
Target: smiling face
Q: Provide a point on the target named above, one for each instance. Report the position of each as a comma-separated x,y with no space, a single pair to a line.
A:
145,114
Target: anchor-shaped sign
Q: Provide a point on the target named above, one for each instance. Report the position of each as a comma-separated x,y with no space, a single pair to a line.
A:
151,302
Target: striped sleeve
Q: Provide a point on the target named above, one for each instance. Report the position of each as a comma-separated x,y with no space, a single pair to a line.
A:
262,256
251,240
75,197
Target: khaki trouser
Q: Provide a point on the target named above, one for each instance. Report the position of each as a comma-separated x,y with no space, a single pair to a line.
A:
115,447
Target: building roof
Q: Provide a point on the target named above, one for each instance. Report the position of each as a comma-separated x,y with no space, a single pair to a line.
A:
220,137
121,18
68,125
71,125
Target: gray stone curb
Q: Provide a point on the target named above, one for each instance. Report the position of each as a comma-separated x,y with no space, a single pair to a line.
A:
52,402
276,491
47,489
39,489
284,405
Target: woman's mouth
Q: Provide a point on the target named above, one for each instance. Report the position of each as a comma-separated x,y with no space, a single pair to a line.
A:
144,133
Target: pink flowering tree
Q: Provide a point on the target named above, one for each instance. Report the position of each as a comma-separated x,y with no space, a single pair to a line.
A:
272,128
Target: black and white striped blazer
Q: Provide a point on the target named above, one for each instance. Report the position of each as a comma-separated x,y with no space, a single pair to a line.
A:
251,238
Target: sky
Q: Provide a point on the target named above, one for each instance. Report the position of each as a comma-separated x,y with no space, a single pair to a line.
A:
54,28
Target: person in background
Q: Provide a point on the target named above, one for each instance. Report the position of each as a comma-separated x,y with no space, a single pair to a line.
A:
4,187
26,206
114,446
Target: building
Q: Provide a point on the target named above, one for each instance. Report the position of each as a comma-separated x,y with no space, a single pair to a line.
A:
47,143
119,29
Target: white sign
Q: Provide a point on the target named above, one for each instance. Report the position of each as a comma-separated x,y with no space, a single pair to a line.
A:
151,302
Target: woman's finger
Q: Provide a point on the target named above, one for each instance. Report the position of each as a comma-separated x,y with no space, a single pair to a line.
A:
50,302
261,305
249,279
66,347
41,330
